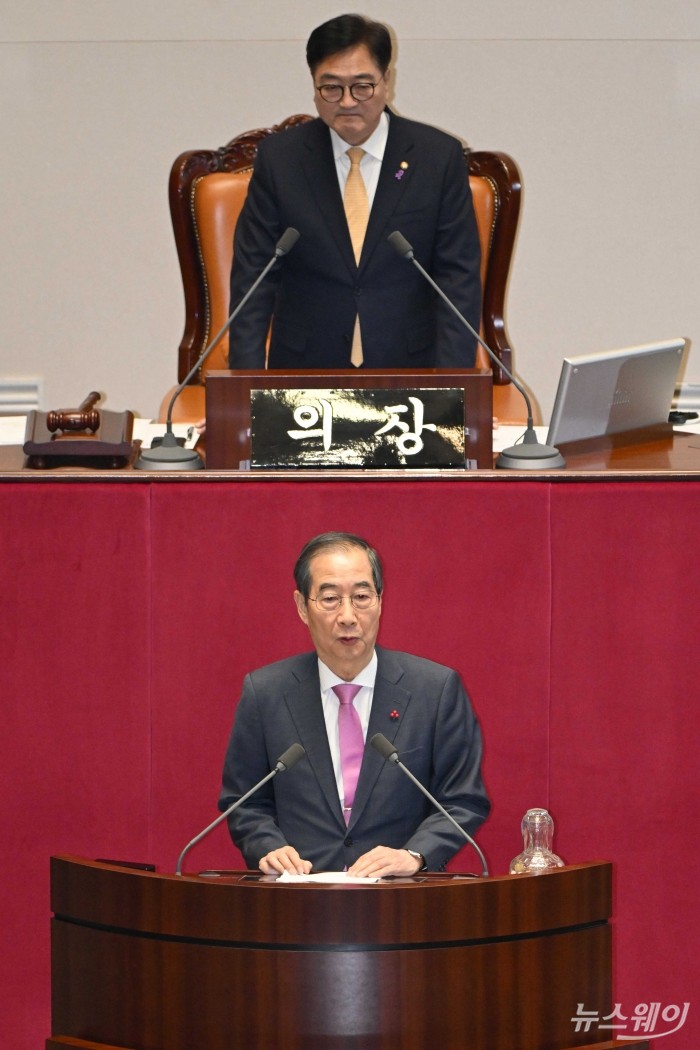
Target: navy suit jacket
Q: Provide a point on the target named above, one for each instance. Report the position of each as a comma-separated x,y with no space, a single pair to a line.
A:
437,737
315,293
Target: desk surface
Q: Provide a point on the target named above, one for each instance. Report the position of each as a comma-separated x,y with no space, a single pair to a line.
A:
673,457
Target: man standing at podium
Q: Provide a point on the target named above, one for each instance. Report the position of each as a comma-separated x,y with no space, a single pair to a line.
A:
343,806
345,181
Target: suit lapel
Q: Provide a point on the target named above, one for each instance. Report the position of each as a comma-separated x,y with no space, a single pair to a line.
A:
303,699
319,169
389,705
393,179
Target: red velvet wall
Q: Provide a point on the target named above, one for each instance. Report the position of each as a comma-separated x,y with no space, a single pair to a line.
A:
132,609
75,703
625,720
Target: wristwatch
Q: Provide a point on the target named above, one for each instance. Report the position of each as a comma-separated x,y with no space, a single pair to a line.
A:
419,857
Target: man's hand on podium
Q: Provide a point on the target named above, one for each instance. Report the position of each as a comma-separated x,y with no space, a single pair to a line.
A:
383,861
285,858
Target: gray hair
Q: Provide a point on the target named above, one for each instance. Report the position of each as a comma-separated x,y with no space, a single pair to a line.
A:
335,541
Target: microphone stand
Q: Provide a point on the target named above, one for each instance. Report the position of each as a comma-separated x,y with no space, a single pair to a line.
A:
168,455
387,750
531,454
290,758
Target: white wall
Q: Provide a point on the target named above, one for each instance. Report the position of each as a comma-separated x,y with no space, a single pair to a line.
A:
598,101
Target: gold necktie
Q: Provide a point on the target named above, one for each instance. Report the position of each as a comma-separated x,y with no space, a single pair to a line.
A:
357,212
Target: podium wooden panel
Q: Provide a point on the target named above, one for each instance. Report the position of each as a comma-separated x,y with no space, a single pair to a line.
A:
155,962
228,403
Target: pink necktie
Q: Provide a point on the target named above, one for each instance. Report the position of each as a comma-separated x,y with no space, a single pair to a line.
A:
352,744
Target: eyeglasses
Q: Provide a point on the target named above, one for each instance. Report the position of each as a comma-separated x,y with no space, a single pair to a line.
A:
361,601
361,91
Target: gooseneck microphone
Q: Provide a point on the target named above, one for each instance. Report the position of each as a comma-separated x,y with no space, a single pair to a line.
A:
169,455
290,758
531,455
387,750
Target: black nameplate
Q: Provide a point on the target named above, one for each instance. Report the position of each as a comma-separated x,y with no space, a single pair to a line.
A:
357,428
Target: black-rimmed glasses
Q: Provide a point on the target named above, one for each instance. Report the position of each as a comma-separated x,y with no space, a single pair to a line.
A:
361,91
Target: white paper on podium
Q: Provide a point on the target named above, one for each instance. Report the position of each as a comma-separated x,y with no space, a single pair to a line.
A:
12,430
327,876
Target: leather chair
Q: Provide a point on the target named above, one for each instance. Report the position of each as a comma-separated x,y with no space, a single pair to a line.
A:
207,190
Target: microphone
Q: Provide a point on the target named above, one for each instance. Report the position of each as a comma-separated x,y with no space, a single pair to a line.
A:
531,455
290,758
387,750
169,455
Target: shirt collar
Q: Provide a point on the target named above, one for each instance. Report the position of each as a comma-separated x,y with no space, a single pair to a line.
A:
366,677
375,144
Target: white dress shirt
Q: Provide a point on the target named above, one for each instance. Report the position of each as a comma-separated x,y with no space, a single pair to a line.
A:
331,703
371,163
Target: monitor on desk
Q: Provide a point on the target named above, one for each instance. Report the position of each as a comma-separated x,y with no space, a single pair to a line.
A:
615,391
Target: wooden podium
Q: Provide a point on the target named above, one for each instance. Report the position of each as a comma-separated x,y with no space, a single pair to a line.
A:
228,403
233,960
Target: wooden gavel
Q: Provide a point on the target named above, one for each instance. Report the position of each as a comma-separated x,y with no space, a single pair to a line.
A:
85,417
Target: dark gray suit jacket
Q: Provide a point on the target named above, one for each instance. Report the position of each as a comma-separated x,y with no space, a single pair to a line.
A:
437,737
315,293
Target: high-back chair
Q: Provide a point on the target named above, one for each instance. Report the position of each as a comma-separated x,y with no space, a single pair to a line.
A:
207,191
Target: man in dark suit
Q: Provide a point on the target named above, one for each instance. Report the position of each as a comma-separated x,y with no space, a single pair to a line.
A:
415,181
301,819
